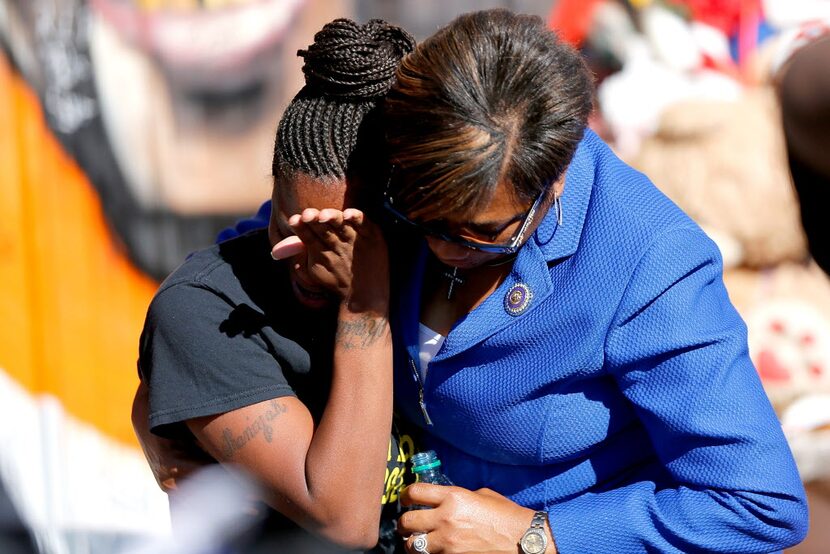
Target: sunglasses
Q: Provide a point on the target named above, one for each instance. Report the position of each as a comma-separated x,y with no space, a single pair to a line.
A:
436,229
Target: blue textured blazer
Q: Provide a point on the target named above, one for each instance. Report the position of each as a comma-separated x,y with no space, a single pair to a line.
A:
621,398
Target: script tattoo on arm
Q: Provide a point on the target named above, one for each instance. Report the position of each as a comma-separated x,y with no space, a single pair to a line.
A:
361,332
262,424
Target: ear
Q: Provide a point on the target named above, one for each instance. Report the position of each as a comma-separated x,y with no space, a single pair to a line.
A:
559,185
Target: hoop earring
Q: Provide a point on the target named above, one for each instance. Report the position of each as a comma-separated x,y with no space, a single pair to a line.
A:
558,203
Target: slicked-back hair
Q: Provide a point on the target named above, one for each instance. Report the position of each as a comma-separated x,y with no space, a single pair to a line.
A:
348,70
492,97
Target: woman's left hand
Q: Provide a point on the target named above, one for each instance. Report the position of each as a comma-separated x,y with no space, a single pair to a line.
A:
463,521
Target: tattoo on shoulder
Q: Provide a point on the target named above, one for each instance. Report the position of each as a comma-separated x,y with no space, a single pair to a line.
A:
262,424
360,333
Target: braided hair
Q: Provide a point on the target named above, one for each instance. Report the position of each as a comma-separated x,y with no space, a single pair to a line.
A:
348,69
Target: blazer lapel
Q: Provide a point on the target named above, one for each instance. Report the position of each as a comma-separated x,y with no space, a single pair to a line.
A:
530,275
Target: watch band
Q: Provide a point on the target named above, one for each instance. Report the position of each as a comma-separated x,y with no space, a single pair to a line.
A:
538,521
535,540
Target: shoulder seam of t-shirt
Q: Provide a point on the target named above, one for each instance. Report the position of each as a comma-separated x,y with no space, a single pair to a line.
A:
282,388
198,281
197,278
225,399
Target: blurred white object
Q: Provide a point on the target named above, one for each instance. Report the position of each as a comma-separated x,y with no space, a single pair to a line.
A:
210,508
789,41
664,65
613,30
633,99
731,249
808,413
789,13
671,38
798,22
77,490
711,42
806,423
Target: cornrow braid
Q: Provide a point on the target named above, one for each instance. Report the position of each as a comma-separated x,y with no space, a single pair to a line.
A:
348,69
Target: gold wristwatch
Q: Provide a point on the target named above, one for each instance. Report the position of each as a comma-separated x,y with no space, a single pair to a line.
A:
535,540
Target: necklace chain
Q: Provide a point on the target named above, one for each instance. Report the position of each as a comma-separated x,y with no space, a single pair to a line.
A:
456,280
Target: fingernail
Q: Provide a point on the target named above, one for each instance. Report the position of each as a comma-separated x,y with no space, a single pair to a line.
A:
275,257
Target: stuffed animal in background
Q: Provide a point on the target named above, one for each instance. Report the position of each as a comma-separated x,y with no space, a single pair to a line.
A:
787,311
724,163
685,93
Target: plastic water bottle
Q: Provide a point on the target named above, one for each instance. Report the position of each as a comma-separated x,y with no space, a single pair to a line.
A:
427,469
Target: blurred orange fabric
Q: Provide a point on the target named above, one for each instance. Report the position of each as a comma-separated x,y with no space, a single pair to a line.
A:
72,304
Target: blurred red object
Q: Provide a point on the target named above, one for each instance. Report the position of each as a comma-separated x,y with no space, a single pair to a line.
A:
739,18
721,14
572,19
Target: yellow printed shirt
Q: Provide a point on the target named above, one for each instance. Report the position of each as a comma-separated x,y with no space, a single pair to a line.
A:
401,449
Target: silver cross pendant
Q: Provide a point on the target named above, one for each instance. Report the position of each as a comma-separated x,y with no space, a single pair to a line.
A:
454,279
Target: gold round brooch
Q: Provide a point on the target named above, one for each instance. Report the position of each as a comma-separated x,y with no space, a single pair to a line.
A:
517,299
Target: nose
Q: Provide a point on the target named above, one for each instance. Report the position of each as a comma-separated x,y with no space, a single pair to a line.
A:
448,252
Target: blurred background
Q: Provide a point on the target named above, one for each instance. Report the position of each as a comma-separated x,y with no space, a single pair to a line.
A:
132,131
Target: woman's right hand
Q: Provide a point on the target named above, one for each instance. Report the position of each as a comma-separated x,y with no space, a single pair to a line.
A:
344,252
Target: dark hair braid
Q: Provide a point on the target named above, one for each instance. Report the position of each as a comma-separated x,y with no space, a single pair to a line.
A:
348,69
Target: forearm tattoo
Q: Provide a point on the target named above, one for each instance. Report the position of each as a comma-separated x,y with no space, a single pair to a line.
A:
262,424
360,333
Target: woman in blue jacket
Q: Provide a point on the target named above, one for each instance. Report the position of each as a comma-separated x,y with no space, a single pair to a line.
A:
563,334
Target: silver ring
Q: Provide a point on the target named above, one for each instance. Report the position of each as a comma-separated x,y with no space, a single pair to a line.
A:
419,543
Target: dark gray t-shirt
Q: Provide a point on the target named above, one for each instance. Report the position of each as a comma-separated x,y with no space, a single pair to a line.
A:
225,331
